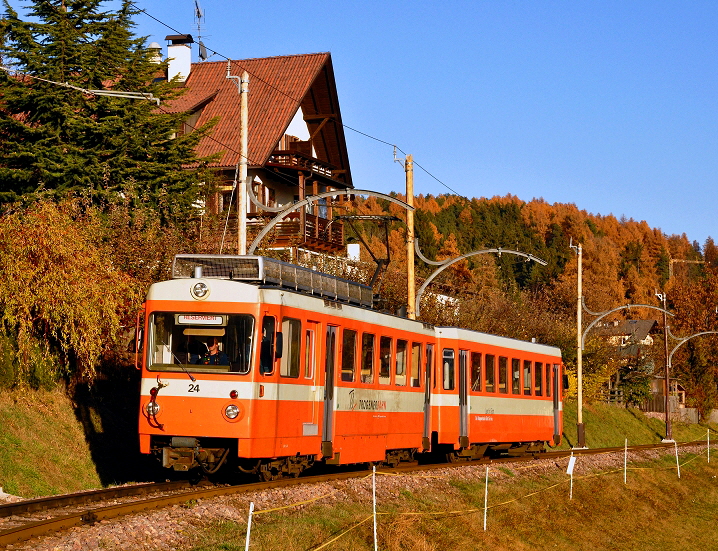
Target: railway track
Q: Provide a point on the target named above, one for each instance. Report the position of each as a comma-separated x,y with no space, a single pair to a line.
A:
28,519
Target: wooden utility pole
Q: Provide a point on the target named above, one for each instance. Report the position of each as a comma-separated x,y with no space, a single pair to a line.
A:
411,289
241,185
580,429
667,374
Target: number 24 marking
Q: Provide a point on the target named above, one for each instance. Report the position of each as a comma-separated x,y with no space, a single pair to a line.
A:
193,388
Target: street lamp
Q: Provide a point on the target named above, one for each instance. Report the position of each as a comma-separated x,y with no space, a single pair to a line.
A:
446,263
669,434
581,339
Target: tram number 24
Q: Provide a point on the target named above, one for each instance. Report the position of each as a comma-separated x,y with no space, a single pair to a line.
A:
193,388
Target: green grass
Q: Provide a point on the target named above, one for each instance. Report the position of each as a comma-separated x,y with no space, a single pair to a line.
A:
42,445
608,426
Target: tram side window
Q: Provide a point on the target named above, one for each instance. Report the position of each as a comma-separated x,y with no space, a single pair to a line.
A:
349,347
539,375
416,364
527,377
548,380
476,371
490,374
400,372
367,358
503,375
292,331
309,354
449,379
266,351
515,376
384,360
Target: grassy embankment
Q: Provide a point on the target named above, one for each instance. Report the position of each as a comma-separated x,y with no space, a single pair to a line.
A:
50,444
42,445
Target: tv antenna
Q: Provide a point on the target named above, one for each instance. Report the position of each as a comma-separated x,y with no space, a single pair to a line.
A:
198,16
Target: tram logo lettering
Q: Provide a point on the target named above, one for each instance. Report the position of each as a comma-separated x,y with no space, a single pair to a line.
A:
374,405
365,405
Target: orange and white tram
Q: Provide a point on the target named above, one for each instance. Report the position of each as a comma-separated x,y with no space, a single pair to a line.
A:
272,367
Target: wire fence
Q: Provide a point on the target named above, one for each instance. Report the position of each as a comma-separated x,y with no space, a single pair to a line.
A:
487,506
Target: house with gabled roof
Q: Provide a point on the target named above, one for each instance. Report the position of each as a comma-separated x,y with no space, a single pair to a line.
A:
296,143
630,337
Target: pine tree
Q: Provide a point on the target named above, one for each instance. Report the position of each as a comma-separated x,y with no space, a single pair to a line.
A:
57,140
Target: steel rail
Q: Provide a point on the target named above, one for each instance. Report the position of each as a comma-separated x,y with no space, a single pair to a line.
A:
81,498
90,516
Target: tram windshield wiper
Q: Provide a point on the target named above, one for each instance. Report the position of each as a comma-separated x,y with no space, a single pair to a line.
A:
191,378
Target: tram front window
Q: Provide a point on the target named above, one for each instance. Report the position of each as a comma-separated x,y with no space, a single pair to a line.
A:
200,342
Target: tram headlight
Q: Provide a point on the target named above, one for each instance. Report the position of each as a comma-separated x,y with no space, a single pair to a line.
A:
231,411
200,290
153,408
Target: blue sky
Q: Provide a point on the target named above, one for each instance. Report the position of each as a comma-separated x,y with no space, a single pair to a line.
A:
608,105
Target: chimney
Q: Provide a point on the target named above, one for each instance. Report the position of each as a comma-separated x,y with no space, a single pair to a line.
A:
179,53
155,53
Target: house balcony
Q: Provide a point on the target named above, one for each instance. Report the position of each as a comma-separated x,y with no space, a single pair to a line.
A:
298,229
297,161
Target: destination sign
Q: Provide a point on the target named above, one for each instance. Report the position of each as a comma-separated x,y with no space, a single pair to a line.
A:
200,319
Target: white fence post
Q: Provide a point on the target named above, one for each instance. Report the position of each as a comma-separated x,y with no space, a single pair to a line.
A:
678,465
625,460
486,497
373,495
569,470
249,525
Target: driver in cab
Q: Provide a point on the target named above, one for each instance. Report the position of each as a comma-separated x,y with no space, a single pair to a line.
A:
214,355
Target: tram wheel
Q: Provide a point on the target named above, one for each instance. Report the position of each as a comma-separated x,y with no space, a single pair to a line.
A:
195,476
270,474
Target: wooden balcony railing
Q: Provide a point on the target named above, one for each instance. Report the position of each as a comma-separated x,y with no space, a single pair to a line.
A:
301,230
299,161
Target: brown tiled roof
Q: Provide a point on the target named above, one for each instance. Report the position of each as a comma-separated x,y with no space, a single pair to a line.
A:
278,87
637,329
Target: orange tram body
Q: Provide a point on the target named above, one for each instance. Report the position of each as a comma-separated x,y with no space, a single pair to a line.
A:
271,367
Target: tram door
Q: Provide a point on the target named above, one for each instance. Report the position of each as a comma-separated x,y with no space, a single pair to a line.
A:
463,400
329,369
427,395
